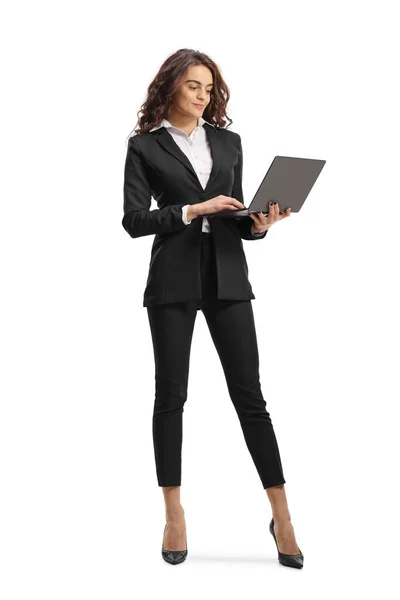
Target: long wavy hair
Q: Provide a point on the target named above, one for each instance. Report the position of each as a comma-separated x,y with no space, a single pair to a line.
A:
161,90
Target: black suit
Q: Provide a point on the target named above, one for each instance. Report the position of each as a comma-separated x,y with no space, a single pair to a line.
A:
191,270
156,166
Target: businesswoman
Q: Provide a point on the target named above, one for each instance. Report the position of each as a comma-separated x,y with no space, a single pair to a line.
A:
183,155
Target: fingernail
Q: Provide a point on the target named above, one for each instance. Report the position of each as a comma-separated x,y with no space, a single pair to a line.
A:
271,203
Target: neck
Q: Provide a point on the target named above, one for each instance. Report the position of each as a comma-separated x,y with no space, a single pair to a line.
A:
185,123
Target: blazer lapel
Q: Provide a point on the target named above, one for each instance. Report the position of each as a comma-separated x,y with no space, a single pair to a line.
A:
217,152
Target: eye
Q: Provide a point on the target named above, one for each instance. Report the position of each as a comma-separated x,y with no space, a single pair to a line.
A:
195,88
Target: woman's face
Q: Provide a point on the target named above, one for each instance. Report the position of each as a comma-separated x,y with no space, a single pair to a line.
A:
195,89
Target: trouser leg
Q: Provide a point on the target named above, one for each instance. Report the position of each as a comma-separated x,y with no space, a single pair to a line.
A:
232,328
172,330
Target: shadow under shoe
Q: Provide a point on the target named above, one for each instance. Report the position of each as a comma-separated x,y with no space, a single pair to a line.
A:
173,557
288,560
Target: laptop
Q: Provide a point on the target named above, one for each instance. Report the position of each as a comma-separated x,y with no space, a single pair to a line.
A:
288,181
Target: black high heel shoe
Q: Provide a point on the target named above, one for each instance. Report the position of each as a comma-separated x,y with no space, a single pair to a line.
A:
288,560
174,557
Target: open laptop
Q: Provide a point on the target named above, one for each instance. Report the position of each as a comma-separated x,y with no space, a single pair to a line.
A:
288,181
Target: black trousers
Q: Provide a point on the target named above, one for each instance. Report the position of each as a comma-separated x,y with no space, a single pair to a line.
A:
232,328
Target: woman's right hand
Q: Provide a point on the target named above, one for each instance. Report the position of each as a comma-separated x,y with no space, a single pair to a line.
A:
217,204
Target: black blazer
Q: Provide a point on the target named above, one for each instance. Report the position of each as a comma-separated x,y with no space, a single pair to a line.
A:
156,166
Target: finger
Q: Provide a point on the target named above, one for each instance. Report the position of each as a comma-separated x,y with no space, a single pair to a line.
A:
237,202
272,211
286,213
261,218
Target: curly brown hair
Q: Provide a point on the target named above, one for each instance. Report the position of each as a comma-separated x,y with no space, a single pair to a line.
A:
164,85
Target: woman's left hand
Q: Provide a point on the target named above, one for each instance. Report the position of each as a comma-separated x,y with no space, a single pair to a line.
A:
263,222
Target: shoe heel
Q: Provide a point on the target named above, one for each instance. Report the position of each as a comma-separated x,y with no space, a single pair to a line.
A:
287,560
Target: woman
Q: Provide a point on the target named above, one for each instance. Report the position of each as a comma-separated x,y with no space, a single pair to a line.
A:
183,155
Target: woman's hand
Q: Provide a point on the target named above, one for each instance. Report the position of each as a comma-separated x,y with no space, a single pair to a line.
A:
263,222
218,203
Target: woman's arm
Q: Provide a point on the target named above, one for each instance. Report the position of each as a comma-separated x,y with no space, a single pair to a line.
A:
244,223
138,219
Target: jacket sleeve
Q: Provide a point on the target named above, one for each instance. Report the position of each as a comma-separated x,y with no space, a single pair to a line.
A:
244,223
138,219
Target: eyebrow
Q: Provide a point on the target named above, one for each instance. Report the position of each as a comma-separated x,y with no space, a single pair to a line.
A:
195,81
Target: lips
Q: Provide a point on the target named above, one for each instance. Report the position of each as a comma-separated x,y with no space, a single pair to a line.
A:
199,105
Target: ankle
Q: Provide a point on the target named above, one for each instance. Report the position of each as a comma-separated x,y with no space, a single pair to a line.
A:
175,513
282,519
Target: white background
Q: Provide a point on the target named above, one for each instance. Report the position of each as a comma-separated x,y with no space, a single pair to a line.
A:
81,513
